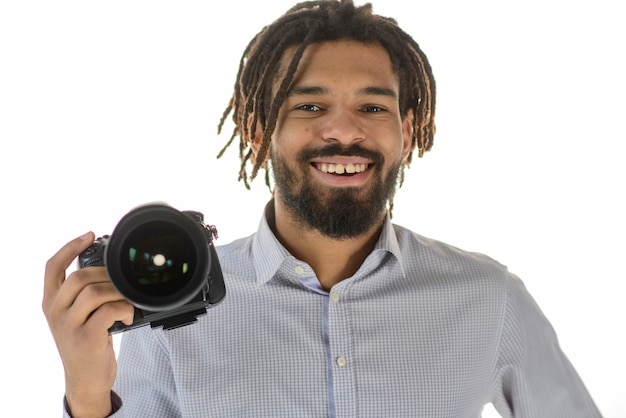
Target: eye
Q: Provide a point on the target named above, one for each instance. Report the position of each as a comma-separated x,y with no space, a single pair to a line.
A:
373,109
309,108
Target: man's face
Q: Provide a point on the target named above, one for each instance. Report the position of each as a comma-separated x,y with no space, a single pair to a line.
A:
340,140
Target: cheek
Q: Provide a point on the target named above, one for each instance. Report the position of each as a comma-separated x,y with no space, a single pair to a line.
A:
284,148
395,149
290,139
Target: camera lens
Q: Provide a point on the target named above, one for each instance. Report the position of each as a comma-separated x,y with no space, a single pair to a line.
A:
158,258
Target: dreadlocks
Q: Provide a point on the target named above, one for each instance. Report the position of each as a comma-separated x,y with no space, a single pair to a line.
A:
311,22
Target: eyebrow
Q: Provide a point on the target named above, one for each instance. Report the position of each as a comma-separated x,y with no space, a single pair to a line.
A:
321,91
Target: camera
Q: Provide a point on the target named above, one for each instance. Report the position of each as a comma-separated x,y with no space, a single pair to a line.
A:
162,261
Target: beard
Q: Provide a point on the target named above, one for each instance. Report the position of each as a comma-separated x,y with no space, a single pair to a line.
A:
336,212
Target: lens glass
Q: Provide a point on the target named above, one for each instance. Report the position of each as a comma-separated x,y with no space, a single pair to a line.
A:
158,259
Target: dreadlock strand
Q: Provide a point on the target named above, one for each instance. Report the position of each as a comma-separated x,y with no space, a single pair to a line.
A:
230,141
277,103
267,180
242,170
255,105
267,78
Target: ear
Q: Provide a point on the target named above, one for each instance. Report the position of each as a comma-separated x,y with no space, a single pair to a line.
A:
256,137
407,134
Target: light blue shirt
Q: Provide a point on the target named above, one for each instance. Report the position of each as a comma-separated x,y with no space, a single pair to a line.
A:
422,329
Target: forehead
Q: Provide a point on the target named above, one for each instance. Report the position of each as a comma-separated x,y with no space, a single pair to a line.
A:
341,61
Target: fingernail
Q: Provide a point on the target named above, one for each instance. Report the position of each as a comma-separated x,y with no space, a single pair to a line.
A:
86,235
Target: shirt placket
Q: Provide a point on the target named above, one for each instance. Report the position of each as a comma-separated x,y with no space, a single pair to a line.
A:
341,356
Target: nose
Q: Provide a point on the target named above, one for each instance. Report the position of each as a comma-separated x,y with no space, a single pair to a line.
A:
343,127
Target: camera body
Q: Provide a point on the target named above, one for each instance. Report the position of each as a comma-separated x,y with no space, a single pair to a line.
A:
162,261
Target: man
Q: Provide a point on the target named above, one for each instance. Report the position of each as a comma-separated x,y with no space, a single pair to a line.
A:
331,310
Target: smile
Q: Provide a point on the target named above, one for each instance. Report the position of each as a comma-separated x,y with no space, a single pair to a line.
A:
340,168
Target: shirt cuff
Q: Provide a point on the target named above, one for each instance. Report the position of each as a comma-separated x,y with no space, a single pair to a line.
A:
116,404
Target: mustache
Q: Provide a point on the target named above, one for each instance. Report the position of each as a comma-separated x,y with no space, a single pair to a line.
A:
331,150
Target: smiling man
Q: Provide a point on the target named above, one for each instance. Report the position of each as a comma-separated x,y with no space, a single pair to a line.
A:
336,151
332,310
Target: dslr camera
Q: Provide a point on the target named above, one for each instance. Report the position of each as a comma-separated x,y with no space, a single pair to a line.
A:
162,261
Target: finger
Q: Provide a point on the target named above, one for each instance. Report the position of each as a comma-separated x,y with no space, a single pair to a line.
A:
107,314
76,283
59,262
91,299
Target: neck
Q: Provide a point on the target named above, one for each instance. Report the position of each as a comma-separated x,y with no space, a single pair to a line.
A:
333,260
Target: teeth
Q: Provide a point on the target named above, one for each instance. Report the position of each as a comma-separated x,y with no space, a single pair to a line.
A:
340,168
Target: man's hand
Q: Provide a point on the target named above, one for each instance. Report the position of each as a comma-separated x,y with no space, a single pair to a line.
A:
80,309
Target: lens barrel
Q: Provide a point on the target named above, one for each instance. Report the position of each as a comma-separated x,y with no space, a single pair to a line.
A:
158,258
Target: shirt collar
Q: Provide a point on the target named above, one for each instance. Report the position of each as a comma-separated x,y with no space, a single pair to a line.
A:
388,241
269,254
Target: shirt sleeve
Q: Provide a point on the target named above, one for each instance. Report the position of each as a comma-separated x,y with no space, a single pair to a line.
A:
534,378
145,381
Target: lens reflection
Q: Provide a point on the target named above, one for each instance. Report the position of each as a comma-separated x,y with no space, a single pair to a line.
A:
160,259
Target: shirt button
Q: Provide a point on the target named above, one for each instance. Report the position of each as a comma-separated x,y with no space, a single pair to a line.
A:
334,296
299,270
341,361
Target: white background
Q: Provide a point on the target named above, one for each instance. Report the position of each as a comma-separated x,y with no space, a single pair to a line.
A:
107,105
